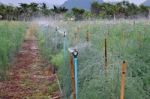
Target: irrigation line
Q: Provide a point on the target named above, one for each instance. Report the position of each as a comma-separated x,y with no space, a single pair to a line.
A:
58,82
56,38
75,54
76,76
65,48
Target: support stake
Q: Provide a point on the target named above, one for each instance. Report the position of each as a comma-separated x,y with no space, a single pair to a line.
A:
123,80
87,36
105,56
72,77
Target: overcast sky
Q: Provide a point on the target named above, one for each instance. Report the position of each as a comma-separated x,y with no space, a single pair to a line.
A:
55,2
48,2
132,1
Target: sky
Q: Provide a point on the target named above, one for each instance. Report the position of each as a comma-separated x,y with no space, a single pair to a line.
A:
131,1
50,3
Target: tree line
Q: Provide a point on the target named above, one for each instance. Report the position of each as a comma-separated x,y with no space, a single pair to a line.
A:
105,10
121,9
28,11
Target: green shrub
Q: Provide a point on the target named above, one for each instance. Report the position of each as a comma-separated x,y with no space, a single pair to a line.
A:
58,60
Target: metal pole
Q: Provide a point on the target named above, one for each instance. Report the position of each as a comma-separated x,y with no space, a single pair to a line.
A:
65,48
123,80
76,76
75,54
56,38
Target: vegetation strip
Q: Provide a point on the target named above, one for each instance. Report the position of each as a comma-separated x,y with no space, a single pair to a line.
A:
29,76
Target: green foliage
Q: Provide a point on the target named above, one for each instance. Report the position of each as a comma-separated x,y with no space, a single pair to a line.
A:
51,46
59,9
78,13
57,59
53,87
87,15
11,36
126,40
124,8
27,11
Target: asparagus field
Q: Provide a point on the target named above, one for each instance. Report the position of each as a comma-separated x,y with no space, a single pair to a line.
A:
99,59
75,49
102,45
11,37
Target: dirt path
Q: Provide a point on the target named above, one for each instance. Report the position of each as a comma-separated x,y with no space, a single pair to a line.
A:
29,77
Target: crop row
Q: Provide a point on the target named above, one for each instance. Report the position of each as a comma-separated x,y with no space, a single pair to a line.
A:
126,40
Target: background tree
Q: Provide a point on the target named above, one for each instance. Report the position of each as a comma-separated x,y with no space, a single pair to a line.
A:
78,13
95,8
126,9
115,10
144,10
44,9
106,10
33,8
59,10
3,11
24,10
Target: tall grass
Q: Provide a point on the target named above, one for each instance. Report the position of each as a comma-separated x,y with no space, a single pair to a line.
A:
126,41
11,36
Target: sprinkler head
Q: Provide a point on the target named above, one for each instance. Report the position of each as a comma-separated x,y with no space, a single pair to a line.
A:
124,62
56,29
65,34
75,53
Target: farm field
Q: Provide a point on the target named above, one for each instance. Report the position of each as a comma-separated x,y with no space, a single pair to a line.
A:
75,49
127,40
26,74
11,37
35,59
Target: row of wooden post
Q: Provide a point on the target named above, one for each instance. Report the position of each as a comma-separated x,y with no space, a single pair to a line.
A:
105,68
122,91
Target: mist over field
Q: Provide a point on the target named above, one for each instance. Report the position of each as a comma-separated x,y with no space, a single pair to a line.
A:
74,49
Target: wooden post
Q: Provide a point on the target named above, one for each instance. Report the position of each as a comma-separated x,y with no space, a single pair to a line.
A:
72,76
139,39
87,36
123,39
78,34
123,80
105,56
